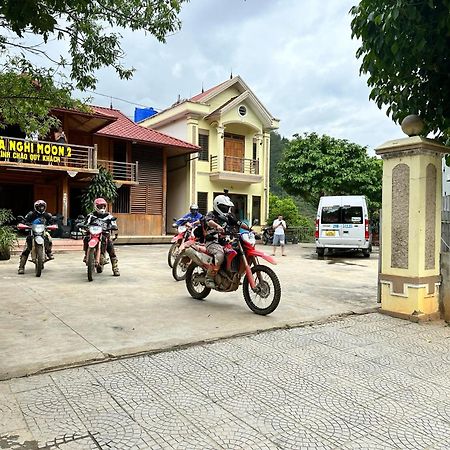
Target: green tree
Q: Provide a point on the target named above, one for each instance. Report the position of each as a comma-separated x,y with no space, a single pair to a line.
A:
404,50
27,95
287,208
102,185
89,29
277,144
315,165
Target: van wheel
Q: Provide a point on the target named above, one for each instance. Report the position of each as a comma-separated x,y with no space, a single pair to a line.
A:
366,253
320,252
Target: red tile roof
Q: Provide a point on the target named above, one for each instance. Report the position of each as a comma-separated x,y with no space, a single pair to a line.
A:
199,97
125,128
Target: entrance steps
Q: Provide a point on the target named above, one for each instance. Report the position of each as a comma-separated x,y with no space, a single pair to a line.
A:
59,245
76,245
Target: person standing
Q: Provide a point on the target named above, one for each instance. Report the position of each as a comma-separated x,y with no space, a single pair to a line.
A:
279,227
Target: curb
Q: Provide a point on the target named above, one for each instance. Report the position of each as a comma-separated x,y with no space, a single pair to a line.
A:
20,373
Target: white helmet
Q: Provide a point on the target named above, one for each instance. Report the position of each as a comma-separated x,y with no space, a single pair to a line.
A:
40,206
222,205
193,208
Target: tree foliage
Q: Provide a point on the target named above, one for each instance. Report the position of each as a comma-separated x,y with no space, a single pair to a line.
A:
277,144
404,49
8,238
89,29
101,186
27,94
315,165
288,209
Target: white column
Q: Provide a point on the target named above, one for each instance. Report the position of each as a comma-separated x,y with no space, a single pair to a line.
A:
192,123
220,146
265,172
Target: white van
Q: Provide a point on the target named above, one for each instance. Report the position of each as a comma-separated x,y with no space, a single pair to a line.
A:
343,223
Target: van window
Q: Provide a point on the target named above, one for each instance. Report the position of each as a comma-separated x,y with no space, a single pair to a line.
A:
331,214
352,214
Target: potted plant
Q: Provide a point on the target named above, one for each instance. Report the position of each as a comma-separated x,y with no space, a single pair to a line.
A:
8,237
102,185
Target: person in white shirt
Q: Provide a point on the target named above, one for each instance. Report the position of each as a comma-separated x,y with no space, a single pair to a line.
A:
279,226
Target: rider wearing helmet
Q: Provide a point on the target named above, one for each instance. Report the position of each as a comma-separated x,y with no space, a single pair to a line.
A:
192,216
217,220
39,214
101,213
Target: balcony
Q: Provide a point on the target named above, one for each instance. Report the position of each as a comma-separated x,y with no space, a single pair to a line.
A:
238,170
122,172
42,155
25,154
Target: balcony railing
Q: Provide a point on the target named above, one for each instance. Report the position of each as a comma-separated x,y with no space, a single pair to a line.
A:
235,164
122,172
47,155
28,154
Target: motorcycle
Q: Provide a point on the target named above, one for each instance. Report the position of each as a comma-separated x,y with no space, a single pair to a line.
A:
260,284
99,234
184,231
267,235
37,230
182,261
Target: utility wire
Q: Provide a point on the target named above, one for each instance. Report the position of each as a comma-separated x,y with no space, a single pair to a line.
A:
121,100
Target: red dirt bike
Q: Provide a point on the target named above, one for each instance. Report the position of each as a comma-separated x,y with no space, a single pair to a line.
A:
99,235
184,232
182,261
260,285
37,231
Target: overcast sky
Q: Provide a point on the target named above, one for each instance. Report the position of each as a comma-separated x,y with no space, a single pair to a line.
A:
297,57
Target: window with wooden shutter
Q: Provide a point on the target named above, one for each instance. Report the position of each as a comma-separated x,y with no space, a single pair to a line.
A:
203,142
202,202
122,202
147,196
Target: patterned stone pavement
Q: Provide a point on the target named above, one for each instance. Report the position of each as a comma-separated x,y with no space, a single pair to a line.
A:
363,382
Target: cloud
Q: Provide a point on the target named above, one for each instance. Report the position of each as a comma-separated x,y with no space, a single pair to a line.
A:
297,56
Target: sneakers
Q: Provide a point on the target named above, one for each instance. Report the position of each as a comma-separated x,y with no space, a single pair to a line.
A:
50,256
21,271
209,282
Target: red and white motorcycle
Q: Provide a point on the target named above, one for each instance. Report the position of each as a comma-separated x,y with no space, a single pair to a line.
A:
98,236
184,232
261,286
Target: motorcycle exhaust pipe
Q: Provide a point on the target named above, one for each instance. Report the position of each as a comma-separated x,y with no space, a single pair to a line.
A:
198,258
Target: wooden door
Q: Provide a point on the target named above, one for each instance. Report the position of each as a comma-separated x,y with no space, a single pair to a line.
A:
234,151
48,193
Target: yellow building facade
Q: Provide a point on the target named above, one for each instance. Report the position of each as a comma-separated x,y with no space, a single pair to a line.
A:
232,127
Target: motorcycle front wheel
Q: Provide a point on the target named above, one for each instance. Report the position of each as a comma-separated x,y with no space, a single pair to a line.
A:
39,264
173,252
196,288
264,299
90,263
180,266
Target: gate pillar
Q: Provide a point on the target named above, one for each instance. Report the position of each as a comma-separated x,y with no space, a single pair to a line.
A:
411,226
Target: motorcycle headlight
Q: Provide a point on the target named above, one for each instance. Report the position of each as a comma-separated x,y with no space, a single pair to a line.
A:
95,229
181,229
250,238
38,228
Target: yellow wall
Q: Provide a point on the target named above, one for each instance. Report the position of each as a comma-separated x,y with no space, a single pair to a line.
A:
249,126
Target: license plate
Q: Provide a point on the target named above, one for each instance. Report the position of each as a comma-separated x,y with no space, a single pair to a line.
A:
330,233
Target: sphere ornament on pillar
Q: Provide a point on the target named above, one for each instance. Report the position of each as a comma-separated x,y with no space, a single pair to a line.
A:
412,125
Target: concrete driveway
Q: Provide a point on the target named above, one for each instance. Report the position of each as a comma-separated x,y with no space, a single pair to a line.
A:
62,319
